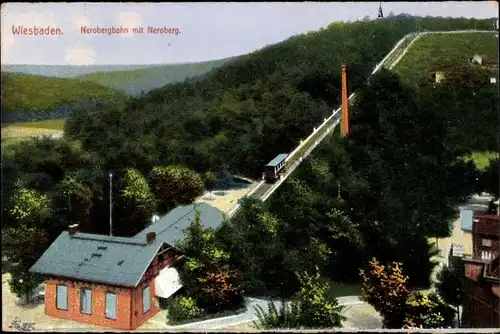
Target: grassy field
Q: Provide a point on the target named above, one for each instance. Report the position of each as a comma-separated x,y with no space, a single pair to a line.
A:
52,124
22,92
429,51
482,159
134,81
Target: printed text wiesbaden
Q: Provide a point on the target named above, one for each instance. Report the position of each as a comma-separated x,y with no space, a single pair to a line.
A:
36,31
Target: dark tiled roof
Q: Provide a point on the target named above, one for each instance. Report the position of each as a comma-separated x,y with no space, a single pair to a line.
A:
169,229
279,158
97,258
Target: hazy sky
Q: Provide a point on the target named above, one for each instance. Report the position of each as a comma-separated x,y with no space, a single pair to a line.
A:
207,30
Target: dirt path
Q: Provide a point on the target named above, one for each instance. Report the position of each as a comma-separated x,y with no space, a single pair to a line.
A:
18,131
227,199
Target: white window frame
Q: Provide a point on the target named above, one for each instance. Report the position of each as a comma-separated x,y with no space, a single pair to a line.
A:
82,305
486,242
144,310
106,314
58,306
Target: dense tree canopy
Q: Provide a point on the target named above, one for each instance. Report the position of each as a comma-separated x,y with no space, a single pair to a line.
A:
49,184
375,177
252,108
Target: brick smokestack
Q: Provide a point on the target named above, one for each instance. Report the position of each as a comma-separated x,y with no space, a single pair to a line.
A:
73,229
150,237
345,103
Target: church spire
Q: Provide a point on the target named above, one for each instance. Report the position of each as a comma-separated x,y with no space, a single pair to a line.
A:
380,12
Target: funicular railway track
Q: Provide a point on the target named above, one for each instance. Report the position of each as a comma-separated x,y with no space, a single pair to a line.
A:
263,190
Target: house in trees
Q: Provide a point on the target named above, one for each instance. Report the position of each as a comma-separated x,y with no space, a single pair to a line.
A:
114,281
438,76
482,274
477,59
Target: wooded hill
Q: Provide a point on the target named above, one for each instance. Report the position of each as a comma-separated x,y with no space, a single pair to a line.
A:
32,97
135,82
249,110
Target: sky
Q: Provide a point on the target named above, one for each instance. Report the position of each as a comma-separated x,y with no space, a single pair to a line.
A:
206,31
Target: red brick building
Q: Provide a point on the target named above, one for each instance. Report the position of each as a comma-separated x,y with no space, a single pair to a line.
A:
482,274
106,281
115,281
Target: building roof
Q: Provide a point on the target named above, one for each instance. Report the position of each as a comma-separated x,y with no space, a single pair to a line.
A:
277,160
98,258
169,229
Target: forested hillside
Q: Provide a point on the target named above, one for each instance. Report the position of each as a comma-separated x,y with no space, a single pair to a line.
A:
135,82
251,109
31,97
467,99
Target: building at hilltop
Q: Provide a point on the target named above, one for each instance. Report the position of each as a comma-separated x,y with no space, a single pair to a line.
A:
477,59
113,281
380,14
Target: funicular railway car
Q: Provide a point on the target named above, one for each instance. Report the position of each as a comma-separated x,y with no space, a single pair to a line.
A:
272,171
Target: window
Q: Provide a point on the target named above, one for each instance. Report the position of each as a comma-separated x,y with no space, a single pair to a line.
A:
86,301
62,297
146,300
486,242
111,305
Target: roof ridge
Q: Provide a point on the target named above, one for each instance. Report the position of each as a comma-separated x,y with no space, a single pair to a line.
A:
195,206
104,238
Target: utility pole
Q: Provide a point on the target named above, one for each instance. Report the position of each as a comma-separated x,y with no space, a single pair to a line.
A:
110,204
69,201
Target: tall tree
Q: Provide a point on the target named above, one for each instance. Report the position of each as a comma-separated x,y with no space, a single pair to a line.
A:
449,285
386,290
28,206
174,185
23,245
135,203
73,201
209,275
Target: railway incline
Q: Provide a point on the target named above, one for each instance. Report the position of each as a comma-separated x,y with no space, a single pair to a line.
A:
264,190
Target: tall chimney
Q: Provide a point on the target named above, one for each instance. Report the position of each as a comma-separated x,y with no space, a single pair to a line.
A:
72,229
345,104
150,237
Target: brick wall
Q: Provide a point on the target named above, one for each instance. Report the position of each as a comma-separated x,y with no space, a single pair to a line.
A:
480,307
129,304
130,313
98,316
138,316
473,270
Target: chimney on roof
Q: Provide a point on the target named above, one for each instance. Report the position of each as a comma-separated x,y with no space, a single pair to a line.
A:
73,229
150,237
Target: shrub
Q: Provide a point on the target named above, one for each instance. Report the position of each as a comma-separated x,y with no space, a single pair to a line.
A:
287,317
219,290
183,308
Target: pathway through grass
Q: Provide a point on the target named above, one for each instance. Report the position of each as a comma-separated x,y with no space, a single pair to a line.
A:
52,124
